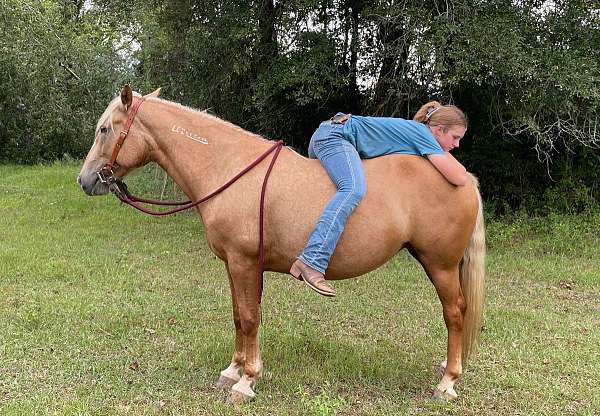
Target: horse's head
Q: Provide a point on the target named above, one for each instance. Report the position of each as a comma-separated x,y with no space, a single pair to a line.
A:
133,153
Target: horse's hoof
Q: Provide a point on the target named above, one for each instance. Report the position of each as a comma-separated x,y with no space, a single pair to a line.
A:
239,397
444,396
225,382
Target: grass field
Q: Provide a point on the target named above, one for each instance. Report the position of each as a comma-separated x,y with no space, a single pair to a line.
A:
106,311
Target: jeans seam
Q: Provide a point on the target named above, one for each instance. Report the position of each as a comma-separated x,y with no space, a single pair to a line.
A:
311,263
343,202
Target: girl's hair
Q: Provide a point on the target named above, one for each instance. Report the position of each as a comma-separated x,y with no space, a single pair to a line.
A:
434,113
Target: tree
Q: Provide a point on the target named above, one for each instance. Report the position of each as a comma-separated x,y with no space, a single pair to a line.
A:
526,73
60,71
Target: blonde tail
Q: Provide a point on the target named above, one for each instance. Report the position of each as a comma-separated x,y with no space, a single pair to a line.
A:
472,273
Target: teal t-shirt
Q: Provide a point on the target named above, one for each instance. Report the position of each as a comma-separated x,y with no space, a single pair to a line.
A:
378,136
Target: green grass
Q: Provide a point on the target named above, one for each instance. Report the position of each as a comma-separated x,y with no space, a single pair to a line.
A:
89,287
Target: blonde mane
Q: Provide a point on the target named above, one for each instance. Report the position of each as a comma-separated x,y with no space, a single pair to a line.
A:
106,117
207,115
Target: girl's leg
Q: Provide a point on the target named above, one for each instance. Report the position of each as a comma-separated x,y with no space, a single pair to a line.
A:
342,162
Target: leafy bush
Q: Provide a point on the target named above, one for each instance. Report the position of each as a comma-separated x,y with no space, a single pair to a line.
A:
526,73
60,71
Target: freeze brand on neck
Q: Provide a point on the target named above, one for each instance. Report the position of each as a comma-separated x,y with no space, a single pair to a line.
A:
188,134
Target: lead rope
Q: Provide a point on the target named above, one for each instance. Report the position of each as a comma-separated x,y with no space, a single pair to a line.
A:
261,217
120,190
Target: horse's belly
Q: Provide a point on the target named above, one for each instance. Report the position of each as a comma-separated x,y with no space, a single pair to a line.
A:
367,242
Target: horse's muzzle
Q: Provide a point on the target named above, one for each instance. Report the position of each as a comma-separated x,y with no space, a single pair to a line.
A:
91,184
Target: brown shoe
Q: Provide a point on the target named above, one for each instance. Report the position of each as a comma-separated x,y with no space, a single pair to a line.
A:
314,279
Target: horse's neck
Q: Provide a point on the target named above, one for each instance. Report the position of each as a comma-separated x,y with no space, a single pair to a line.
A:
200,152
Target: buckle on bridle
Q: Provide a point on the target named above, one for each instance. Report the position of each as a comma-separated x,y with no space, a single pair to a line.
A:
115,185
106,176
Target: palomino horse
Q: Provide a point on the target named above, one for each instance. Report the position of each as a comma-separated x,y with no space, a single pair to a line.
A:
408,205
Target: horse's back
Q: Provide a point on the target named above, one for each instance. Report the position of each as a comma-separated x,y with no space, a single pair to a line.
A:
408,202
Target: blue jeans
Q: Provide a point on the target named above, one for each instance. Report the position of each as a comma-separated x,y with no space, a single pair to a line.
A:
342,162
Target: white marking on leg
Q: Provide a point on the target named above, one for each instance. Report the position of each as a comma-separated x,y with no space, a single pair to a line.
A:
446,388
244,387
233,372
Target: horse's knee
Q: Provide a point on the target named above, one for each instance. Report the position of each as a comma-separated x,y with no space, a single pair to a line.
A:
237,322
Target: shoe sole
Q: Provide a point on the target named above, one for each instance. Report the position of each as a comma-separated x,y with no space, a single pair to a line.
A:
298,275
316,289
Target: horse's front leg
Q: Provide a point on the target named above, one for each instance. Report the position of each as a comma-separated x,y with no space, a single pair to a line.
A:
245,290
447,285
232,374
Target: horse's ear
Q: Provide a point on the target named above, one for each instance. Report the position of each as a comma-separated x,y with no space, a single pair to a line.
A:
126,96
155,93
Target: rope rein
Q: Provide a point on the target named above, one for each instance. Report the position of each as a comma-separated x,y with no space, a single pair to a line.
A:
119,188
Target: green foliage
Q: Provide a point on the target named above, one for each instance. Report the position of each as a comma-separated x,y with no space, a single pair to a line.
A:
59,71
321,404
526,73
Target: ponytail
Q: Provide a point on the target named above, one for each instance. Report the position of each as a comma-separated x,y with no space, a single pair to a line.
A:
425,112
435,114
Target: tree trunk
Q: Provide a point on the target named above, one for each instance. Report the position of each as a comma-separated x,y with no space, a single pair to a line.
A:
356,7
268,45
389,98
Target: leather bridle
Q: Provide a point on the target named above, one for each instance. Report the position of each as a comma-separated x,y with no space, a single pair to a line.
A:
118,187
106,173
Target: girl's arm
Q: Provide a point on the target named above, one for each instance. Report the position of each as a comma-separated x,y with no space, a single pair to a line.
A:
451,168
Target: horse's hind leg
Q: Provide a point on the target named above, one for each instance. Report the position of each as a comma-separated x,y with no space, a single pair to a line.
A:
447,285
232,374
245,290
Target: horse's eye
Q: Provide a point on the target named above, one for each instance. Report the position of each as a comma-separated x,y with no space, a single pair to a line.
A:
103,130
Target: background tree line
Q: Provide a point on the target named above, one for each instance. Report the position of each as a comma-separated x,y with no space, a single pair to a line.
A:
526,73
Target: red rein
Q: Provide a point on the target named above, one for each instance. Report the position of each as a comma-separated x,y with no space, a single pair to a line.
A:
120,190
134,201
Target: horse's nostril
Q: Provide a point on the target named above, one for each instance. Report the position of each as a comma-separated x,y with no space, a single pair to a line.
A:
79,180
